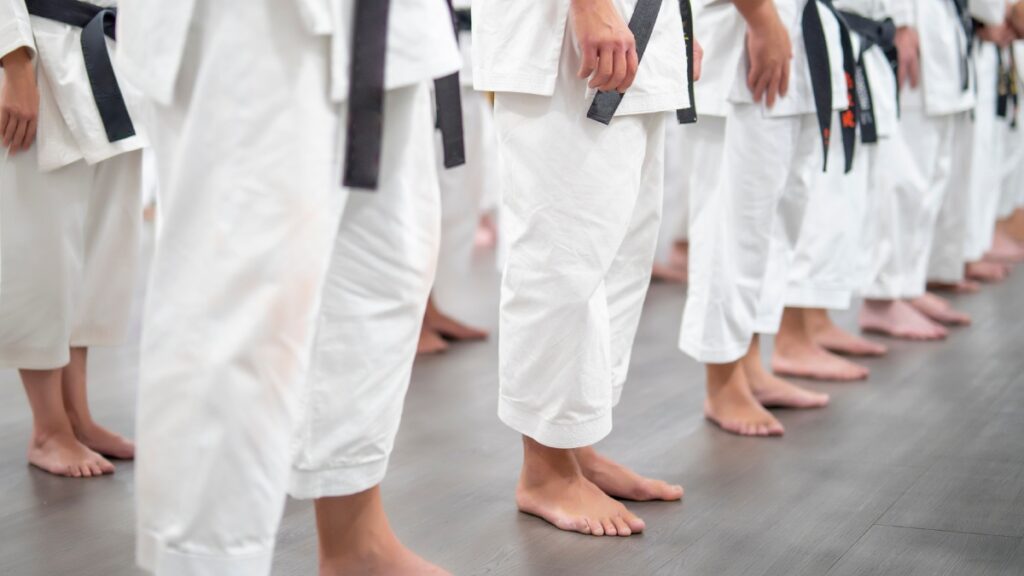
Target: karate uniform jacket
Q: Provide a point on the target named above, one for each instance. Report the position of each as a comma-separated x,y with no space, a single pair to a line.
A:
421,43
69,127
721,31
943,42
517,46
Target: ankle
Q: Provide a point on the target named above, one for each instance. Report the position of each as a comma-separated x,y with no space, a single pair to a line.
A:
42,435
542,464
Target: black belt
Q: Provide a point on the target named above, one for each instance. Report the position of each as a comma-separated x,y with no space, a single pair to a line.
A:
880,33
641,24
96,22
448,104
463,20
1007,90
365,130
821,78
965,51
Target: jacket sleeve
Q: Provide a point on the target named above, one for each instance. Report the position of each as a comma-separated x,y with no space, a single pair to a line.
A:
15,27
991,12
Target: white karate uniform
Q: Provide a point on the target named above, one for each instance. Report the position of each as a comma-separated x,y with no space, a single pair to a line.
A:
923,166
828,262
988,155
70,209
236,408
1011,194
743,231
951,236
581,203
465,189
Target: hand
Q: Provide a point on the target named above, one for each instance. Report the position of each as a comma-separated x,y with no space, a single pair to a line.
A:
1001,35
607,45
698,59
19,101
908,45
1016,18
769,51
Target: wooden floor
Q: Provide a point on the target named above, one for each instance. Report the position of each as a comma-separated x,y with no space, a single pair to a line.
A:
918,472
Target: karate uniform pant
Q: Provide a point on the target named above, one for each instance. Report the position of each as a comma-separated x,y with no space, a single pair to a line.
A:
69,255
743,230
231,417
581,204
463,191
986,158
919,166
949,250
1011,187
679,166
827,266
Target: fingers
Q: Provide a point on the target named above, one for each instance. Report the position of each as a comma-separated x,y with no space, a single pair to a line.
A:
632,65
605,68
618,72
9,130
784,84
698,59
589,61
761,79
30,134
915,73
19,136
772,94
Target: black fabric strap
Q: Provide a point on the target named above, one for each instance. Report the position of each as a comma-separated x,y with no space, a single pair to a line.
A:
448,106
641,24
872,33
821,79
97,23
967,50
463,20
365,130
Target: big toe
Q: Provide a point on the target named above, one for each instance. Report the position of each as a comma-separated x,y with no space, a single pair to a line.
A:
659,490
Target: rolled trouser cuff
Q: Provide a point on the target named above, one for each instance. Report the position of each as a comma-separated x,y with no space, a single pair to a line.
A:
155,557
555,435
339,480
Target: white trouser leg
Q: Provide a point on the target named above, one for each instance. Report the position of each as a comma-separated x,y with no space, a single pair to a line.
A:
112,237
679,157
986,160
739,236
371,313
249,207
41,225
949,245
69,240
462,192
826,260
1011,187
571,192
914,165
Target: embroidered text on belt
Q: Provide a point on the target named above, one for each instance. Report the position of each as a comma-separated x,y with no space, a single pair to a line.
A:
96,22
821,78
641,24
880,33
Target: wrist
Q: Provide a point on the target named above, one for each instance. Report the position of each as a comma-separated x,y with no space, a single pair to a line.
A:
17,60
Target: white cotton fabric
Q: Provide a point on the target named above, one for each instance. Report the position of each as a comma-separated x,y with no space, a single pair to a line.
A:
69,255
69,127
253,233
519,45
742,232
152,35
988,156
581,204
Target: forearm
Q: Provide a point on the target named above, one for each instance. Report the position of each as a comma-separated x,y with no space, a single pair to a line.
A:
757,13
20,57
1017,18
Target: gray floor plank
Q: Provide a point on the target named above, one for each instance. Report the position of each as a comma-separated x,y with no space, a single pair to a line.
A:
889,551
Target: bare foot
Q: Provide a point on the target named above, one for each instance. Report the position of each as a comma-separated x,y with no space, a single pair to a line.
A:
940,310
105,442
899,319
1005,249
968,286
63,455
430,342
668,273
732,406
987,271
552,487
835,339
812,361
447,327
618,481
